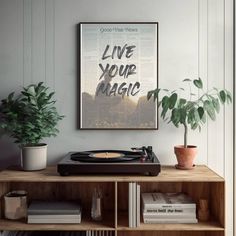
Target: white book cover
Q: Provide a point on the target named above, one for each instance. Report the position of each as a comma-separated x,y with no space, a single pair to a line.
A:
170,221
130,205
166,200
134,205
168,216
170,210
53,221
138,206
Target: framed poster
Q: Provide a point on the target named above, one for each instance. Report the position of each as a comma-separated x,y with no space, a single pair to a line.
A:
117,66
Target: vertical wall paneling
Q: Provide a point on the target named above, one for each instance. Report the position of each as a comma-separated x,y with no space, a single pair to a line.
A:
216,78
228,125
38,40
9,46
11,69
27,75
20,42
49,43
202,65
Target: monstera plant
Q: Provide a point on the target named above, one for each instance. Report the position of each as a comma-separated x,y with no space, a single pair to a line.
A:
190,112
28,118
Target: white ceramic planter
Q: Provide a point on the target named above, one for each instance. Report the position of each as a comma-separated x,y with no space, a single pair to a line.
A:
34,157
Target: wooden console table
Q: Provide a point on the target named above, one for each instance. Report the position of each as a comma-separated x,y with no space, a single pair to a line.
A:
200,182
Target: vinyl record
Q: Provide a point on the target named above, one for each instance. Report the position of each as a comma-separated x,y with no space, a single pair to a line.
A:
105,156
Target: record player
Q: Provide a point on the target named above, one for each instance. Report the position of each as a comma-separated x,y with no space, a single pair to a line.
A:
137,161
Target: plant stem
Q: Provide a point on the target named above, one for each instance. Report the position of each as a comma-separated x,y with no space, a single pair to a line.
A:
185,135
190,92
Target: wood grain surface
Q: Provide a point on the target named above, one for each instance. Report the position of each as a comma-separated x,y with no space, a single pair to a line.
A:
168,174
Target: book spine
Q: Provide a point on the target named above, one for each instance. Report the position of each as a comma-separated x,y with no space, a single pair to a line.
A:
134,205
54,216
54,212
169,216
173,221
130,205
138,205
53,221
170,210
169,206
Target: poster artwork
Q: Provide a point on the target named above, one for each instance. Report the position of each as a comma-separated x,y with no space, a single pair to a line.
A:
118,66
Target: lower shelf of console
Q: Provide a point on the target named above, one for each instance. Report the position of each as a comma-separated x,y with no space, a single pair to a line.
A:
200,226
86,224
169,233
93,225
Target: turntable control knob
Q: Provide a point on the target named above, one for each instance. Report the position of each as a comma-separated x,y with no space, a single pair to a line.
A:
142,159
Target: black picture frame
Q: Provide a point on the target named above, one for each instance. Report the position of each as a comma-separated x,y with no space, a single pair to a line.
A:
80,76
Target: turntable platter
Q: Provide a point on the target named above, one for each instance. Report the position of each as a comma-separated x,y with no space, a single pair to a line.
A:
107,155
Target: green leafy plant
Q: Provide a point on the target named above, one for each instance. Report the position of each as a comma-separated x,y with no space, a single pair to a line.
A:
191,112
30,116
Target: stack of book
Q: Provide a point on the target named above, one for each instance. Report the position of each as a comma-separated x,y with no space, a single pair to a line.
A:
168,208
134,205
54,212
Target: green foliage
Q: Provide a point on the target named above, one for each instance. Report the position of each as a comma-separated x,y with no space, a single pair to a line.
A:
190,112
30,116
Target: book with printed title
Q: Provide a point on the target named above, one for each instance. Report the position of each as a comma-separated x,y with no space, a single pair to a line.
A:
168,208
176,201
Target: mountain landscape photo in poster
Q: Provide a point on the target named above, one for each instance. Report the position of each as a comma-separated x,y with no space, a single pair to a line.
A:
118,66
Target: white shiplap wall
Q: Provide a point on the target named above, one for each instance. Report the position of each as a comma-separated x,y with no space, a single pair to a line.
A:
37,43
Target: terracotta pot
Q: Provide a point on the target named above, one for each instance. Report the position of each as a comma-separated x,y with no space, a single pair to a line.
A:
185,156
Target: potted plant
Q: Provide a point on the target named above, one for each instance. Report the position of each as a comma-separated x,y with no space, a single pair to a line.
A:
28,118
189,112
